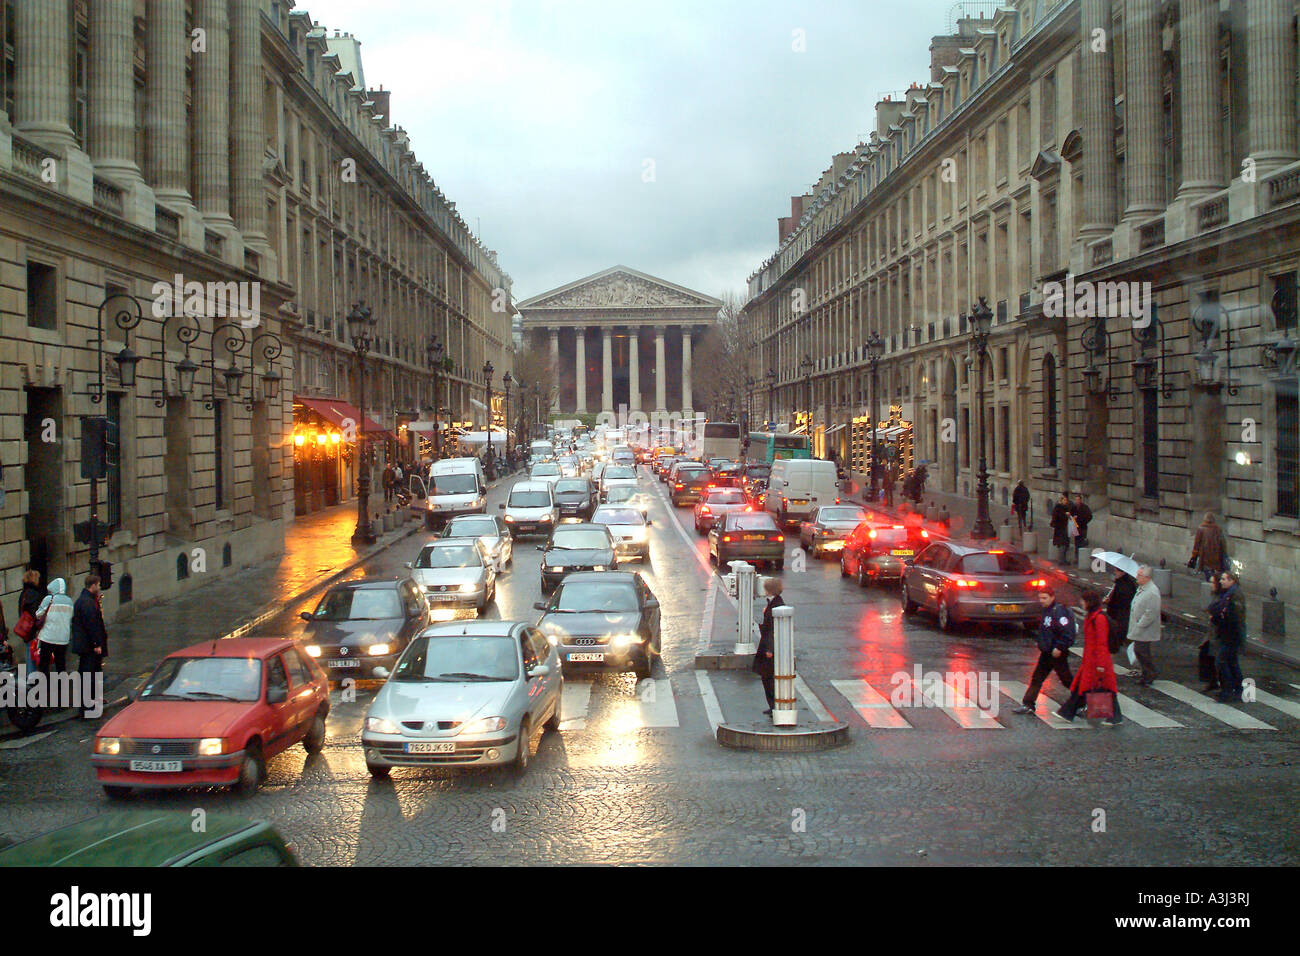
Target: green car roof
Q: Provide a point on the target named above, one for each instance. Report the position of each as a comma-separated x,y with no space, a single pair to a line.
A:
126,838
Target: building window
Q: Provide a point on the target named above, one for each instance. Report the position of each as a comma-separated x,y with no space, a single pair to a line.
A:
1006,438
1151,443
42,296
1049,410
1283,304
1288,451
219,453
1047,109
113,463
965,435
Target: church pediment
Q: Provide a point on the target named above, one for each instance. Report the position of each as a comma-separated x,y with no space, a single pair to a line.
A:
620,288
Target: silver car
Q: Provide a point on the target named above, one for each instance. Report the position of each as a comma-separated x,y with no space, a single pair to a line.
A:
628,526
827,527
455,573
491,532
467,694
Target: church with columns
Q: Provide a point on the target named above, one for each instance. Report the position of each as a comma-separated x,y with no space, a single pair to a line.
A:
620,341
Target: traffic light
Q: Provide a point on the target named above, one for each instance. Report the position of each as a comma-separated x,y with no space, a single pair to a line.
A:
94,430
105,571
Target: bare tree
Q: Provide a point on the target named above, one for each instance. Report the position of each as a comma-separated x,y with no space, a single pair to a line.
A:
721,365
533,369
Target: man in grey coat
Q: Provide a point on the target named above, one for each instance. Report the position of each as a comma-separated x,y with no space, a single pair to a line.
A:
1144,624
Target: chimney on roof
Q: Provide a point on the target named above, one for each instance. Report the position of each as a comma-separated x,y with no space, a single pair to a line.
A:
944,51
887,114
381,97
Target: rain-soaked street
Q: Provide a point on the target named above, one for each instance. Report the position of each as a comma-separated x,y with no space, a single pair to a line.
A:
635,773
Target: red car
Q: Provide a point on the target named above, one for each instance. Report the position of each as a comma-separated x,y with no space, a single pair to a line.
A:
879,552
212,715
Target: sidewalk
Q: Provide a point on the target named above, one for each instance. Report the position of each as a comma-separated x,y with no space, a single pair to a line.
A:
1185,608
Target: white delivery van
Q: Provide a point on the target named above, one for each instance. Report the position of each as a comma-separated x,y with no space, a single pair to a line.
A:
530,508
453,486
540,451
797,486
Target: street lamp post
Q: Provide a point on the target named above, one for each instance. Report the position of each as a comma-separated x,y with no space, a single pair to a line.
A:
487,411
981,319
875,347
507,380
807,366
771,388
434,350
361,328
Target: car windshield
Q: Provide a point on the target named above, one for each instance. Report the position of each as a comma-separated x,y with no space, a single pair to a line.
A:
750,521
579,539
204,678
890,537
449,556
692,472
1001,562
470,528
546,468
725,498
618,516
461,657
841,514
571,485
529,499
758,471
619,471
593,595
359,604
465,484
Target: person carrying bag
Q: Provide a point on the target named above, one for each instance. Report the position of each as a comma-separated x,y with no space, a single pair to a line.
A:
1095,680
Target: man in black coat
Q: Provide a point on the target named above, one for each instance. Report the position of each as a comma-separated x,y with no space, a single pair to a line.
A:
1082,514
764,664
89,639
1118,605
1020,504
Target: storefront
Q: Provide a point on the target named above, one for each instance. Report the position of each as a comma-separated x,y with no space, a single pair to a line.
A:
325,452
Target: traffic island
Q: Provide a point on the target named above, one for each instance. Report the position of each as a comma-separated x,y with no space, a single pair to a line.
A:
760,735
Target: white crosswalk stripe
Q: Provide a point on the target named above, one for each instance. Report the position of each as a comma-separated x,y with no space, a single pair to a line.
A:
814,703
1043,707
1210,707
1288,707
870,705
710,699
950,699
574,704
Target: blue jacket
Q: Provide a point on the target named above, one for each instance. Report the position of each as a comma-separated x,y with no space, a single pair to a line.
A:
1056,630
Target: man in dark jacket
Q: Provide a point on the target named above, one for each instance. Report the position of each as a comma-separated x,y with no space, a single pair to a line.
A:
1082,514
1231,630
764,664
1118,605
1020,504
1055,637
1060,528
89,636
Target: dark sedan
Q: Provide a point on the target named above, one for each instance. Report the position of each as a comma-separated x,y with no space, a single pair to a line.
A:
747,536
361,625
880,552
688,486
715,505
576,547
576,498
961,583
608,620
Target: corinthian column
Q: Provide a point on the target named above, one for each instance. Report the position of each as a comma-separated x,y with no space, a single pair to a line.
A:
211,114
633,374
607,383
1144,111
1098,123
1271,52
112,88
687,403
580,367
1202,100
555,368
42,72
166,139
247,137
661,374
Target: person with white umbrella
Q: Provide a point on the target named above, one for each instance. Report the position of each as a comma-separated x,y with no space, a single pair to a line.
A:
1120,599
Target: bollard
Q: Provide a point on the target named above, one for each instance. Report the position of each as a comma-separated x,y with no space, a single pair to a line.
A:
1274,615
784,713
1029,544
1163,578
745,577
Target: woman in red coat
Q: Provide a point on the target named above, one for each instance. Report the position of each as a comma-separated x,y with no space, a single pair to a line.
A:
1096,672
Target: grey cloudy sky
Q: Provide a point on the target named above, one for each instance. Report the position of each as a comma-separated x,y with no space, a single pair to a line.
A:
538,118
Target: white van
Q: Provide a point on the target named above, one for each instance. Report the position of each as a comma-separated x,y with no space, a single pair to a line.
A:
453,486
540,451
797,486
530,508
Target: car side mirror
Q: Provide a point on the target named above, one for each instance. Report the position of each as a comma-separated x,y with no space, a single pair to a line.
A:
651,602
406,564
541,670
540,547
306,615
502,506
277,694
648,522
381,672
539,605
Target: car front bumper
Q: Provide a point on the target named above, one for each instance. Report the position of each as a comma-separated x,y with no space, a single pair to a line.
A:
389,750
364,669
967,610
621,658
221,770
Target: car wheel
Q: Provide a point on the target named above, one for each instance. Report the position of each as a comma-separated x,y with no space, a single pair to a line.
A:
780,564
24,718
862,574
643,667
251,771
909,606
553,722
114,792
844,565
378,772
944,614
520,765
314,741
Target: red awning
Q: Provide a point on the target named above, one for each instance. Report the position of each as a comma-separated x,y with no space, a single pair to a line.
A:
337,412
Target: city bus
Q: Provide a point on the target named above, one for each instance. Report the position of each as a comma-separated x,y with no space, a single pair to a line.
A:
719,440
768,446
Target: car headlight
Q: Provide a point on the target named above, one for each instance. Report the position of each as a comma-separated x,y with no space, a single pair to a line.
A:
624,640
544,518
468,587
382,725
112,746
638,534
551,569
313,650
510,517
484,725
377,650
599,567
211,747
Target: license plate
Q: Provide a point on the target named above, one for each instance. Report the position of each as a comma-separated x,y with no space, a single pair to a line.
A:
798,501
431,748
587,658
156,766
442,597
901,553
1006,608
755,537
348,663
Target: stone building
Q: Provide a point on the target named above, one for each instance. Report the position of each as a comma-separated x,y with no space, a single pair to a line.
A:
164,181
1059,153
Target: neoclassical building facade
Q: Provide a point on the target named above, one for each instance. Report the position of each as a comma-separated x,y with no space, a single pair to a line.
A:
620,340
1079,144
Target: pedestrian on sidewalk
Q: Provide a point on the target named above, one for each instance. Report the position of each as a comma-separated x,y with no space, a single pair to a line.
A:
889,487
28,625
1020,504
1232,632
1144,625
1096,670
56,631
89,637
764,664
1119,603
388,482
1207,654
1061,528
1081,514
1209,548
1055,637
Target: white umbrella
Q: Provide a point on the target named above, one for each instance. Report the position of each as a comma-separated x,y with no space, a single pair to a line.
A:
1118,561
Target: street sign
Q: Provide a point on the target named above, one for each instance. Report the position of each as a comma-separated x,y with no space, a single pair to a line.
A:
94,445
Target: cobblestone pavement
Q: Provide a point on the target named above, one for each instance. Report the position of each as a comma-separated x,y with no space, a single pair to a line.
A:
630,779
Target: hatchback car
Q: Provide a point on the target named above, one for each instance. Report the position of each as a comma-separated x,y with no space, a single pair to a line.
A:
618,476
629,527
491,532
213,714
664,465
361,625
576,547
717,503
547,471
961,583
688,484
607,620
530,508
826,528
455,573
569,466
879,553
469,694
747,536
576,498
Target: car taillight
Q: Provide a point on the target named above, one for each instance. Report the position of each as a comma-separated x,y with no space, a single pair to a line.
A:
1038,583
966,583
872,534
997,552
837,500
785,502
678,485
925,534
749,507
704,510
726,537
710,485
779,538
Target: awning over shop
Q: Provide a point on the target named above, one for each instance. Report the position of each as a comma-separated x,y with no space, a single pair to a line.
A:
420,425
338,412
834,428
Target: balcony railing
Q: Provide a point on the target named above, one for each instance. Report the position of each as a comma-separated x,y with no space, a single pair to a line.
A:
1151,234
1102,252
214,243
30,158
167,222
253,262
107,196
1212,214
1284,188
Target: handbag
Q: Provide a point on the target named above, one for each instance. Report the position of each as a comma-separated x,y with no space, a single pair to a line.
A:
1072,527
26,627
1131,653
1101,703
